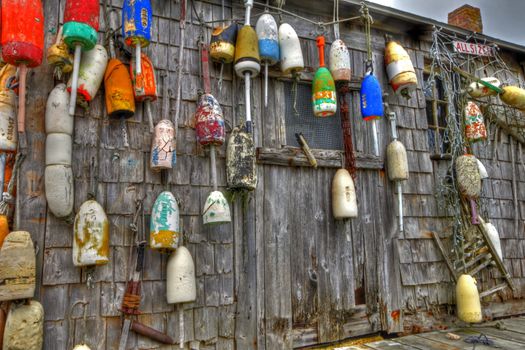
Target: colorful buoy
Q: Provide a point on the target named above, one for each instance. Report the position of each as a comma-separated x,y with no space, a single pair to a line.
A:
145,85
181,286
399,68
8,127
120,99
268,35
163,154
209,122
371,104
324,99
340,61
58,55
136,26
477,90
91,235
475,129
344,200
165,223
222,45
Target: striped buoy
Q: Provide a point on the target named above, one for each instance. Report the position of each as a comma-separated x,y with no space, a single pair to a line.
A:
324,99
399,68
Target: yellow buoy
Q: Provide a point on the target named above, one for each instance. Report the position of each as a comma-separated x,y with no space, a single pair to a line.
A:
467,300
399,68
513,96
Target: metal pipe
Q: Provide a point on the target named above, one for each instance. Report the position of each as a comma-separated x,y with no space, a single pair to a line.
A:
375,138
137,59
247,82
74,82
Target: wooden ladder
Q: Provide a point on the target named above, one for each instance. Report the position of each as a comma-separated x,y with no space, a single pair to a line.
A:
479,254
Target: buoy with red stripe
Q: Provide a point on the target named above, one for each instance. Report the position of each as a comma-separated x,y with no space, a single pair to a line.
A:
475,129
399,68
22,42
145,85
165,223
324,99
80,34
136,26
268,35
91,235
340,61
8,130
90,76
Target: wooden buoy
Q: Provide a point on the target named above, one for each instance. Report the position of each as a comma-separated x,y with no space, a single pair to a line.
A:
59,189
344,200
209,121
17,267
372,105
469,181
399,68
58,55
80,34
222,45
493,234
58,149
324,99
397,161
268,35
145,85
467,300
478,90
165,223
513,96
180,277
241,173
136,26
120,99
163,154
24,327
474,126
22,42
340,61
90,76
290,48
91,235
216,209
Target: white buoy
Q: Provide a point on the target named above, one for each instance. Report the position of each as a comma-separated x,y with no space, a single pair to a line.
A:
180,277
290,47
344,200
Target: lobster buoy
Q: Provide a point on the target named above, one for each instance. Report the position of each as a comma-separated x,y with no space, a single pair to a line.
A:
268,35
59,189
58,149
209,121
247,60
136,26
483,174
8,130
240,161
81,347
22,42
58,55
371,98
17,267
324,99
24,327
165,223
163,154
145,85
292,60
91,235
513,96
399,68
474,126
493,234
477,90
57,118
340,61
180,277
120,99
467,300
222,45
216,209
90,76
397,161
344,200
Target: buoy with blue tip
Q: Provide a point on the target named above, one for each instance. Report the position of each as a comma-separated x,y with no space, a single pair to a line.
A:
268,35
324,99
136,26
372,104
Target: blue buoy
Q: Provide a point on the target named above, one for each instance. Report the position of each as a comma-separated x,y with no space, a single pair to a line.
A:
136,26
371,98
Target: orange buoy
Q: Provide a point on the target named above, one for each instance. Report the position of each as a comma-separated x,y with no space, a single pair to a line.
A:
145,85
120,100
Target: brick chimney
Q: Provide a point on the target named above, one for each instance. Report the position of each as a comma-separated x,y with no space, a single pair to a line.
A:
467,17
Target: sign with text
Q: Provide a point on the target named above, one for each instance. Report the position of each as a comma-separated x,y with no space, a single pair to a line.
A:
473,48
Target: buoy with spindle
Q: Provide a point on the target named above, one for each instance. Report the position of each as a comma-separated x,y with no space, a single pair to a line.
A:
145,85
165,223
80,34
292,61
469,181
268,35
22,42
222,44
136,26
8,134
58,175
475,129
397,166
247,60
324,99
163,155
399,68
467,300
58,55
477,89
209,128
372,104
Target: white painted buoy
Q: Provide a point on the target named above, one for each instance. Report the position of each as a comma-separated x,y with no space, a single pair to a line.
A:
344,200
216,209
58,119
400,70
24,327
180,277
483,173
290,48
91,235
165,223
493,234
163,146
59,189
340,61
58,149
477,90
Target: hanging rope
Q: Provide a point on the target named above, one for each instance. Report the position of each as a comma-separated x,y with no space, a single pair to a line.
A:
367,23
7,197
335,19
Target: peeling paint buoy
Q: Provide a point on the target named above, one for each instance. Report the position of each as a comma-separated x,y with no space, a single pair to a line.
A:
216,209
344,200
17,267
91,235
209,121
163,154
475,129
477,90
24,327
399,68
180,277
240,161
324,99
59,189
120,98
467,300
340,61
165,223
222,45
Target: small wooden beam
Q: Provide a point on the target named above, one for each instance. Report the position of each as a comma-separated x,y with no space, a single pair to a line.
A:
445,256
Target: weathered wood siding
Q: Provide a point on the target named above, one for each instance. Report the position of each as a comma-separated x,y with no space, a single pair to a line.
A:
284,272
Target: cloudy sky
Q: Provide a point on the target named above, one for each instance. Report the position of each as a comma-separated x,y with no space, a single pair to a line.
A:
503,19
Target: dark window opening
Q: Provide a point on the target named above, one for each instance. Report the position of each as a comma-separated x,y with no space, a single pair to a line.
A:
437,110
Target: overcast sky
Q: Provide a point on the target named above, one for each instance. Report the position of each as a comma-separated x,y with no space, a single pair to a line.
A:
503,19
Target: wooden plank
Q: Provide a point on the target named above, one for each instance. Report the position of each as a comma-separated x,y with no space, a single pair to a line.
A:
390,345
503,334
422,343
498,342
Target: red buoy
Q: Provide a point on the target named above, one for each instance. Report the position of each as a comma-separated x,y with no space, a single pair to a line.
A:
22,41
82,11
